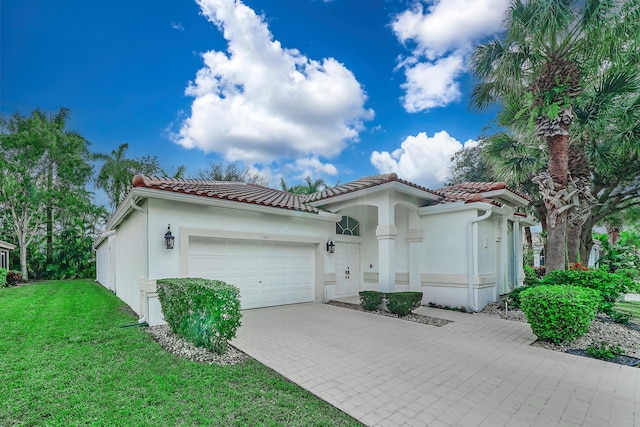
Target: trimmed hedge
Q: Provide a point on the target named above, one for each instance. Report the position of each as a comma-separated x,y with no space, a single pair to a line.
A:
401,303
610,286
205,312
370,300
559,313
3,278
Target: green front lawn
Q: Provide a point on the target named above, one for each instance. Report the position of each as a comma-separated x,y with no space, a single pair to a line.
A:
632,308
65,360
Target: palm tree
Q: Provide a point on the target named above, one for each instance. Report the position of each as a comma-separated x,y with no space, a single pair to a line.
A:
310,187
66,157
116,174
548,54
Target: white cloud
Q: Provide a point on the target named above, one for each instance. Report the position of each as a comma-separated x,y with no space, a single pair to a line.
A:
258,101
442,34
313,167
177,26
421,159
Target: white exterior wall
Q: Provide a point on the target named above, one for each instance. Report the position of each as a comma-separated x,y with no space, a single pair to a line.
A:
102,263
444,258
130,261
211,221
444,271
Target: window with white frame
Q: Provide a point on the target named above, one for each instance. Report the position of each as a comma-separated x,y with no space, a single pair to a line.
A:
348,226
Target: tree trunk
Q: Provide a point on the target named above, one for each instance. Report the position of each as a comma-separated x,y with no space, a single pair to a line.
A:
555,255
529,240
573,243
49,219
586,241
23,258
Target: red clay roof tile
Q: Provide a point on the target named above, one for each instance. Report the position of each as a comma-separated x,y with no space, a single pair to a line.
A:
242,192
238,191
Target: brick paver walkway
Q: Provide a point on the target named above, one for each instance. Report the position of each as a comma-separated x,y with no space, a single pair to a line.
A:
476,371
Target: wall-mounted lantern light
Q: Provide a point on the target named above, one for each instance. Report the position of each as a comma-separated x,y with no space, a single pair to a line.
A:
331,247
168,238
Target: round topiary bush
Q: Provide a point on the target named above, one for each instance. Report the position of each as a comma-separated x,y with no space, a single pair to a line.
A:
401,303
370,300
559,313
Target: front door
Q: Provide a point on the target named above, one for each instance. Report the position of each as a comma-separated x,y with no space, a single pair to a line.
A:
347,268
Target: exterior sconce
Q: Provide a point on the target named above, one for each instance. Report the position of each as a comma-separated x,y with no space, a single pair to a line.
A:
168,238
331,247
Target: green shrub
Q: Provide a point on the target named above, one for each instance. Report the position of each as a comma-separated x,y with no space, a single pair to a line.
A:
618,317
205,312
514,295
3,278
370,300
559,313
401,303
603,351
610,285
530,276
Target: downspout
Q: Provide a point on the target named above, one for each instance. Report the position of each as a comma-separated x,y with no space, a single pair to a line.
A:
142,304
470,257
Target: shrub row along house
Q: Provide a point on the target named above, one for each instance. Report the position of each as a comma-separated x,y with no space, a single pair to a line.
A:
460,245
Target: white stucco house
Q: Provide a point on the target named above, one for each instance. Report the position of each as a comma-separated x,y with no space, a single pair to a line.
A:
460,245
5,248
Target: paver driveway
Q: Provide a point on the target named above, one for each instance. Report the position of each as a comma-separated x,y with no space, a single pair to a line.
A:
476,371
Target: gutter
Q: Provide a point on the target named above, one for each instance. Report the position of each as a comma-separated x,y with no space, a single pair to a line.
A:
470,257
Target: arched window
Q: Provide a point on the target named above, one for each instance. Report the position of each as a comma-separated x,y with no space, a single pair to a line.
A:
348,226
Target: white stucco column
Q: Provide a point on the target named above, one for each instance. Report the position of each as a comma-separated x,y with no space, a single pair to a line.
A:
386,235
518,252
414,237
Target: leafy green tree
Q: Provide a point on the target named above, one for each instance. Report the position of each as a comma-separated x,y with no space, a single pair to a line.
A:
232,172
39,161
550,52
468,165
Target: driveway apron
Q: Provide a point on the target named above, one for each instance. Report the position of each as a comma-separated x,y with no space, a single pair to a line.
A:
475,371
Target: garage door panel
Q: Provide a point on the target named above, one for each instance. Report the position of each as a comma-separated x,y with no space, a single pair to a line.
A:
267,273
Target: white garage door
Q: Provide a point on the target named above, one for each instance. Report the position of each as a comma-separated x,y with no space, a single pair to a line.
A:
267,273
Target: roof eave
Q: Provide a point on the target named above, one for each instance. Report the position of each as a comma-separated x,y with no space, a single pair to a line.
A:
147,193
506,195
394,185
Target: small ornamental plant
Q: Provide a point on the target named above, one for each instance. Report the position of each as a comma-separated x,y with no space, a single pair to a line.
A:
401,303
370,300
603,351
204,312
559,313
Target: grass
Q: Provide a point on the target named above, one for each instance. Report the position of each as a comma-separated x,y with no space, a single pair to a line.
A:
632,308
64,361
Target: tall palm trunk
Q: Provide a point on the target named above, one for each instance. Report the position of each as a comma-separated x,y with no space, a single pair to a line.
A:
49,219
529,240
581,181
557,215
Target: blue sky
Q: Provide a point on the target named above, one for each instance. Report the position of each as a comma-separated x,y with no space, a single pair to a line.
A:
332,89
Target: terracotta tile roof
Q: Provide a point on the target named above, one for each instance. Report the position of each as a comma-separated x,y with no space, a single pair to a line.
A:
361,184
234,191
472,191
242,192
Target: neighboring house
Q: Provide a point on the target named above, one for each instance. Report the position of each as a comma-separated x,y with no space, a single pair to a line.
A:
461,245
5,248
538,251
